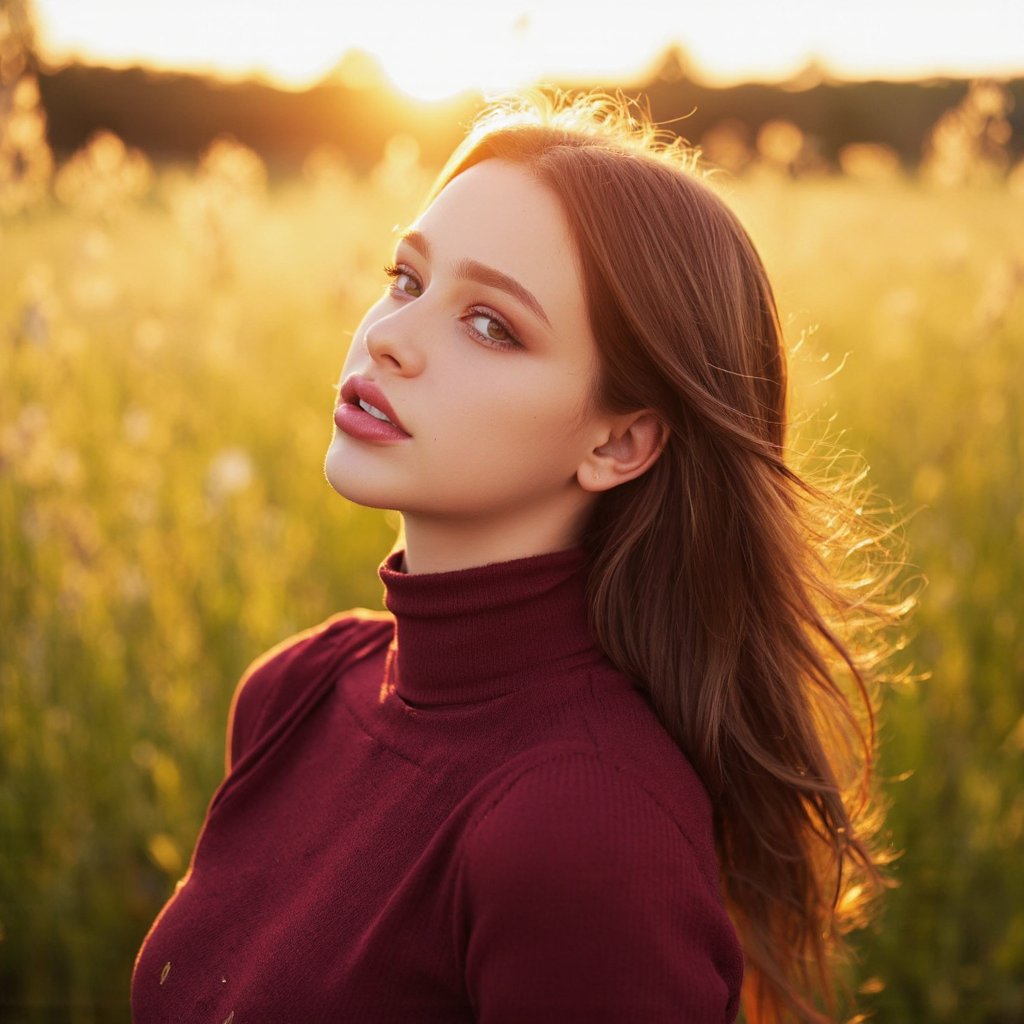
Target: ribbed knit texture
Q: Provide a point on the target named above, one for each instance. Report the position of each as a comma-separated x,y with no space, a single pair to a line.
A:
455,812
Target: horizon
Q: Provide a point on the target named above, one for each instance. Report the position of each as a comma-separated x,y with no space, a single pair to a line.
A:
358,68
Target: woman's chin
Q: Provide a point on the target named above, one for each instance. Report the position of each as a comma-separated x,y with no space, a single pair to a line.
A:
350,483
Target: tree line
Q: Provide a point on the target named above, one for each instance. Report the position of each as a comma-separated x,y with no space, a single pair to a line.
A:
176,116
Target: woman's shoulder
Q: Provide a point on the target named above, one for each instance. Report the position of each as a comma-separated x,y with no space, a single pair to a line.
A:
608,771
593,796
577,861
281,676
345,628
612,720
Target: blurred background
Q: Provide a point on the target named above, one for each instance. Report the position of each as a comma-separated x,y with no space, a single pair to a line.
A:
195,204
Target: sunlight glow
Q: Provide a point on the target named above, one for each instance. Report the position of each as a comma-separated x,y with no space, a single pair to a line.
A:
432,50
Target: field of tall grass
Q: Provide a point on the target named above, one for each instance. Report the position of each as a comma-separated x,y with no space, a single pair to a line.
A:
169,343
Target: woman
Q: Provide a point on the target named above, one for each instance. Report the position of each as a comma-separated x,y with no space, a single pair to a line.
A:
600,752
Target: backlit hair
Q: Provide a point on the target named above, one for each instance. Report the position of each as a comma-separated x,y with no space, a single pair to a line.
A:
740,596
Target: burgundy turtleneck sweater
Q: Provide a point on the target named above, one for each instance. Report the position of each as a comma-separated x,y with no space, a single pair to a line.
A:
457,812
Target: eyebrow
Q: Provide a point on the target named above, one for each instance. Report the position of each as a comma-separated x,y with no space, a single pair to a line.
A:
473,270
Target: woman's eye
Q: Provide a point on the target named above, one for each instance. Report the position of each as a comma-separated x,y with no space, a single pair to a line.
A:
492,329
408,284
403,281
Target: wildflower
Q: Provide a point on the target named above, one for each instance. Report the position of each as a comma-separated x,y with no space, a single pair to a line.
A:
103,175
869,161
133,585
39,305
399,173
727,145
224,197
229,473
136,425
233,170
969,142
94,286
26,163
780,145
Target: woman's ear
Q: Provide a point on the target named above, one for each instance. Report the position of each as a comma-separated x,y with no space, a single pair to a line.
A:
634,441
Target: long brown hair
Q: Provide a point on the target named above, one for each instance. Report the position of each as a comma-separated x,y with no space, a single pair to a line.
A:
714,578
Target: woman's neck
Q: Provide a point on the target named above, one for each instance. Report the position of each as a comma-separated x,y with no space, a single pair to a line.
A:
442,545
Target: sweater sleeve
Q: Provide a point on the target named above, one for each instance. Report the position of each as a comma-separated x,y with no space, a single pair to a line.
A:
585,900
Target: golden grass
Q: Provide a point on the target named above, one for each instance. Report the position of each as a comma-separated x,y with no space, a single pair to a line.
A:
169,342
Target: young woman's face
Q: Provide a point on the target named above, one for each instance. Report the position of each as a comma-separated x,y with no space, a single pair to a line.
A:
481,354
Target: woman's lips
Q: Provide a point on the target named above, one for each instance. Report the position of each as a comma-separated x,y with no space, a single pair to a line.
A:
365,413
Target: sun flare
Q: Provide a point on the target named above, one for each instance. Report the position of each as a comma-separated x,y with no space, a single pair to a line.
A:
432,51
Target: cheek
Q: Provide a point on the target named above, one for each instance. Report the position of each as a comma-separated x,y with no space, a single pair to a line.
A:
535,423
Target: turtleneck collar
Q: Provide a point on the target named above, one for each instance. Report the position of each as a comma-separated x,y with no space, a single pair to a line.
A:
475,634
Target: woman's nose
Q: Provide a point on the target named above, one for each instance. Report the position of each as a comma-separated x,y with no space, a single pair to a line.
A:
392,343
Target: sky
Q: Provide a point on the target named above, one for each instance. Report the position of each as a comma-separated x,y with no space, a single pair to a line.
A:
433,48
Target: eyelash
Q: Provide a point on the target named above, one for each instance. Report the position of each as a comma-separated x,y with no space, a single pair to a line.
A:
397,270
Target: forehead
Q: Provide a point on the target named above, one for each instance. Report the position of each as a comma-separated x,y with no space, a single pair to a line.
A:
499,214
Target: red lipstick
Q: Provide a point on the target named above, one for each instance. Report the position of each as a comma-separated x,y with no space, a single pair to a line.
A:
365,413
